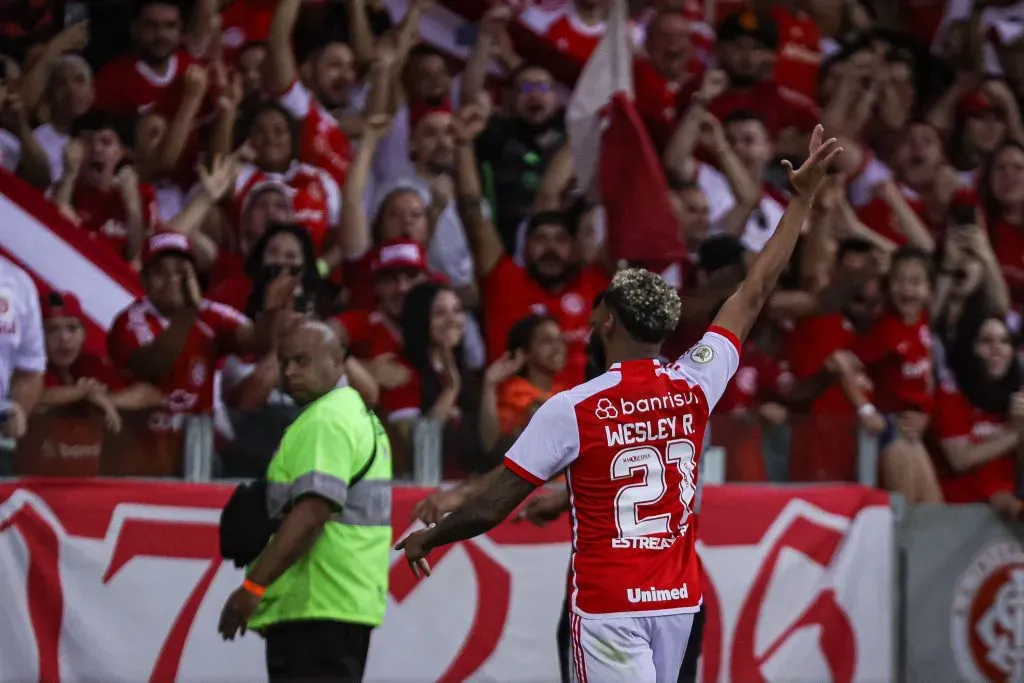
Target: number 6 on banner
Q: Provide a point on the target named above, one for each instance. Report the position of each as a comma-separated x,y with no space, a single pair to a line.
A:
630,497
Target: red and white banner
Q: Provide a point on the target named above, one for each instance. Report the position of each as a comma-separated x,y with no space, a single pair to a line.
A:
60,256
121,580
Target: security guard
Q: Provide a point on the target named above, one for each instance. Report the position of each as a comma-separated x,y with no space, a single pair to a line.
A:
320,586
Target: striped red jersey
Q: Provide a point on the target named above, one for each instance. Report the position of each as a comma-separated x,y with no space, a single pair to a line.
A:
630,442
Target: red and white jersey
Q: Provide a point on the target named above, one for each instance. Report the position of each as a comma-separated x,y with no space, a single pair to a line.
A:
321,141
630,443
315,196
188,385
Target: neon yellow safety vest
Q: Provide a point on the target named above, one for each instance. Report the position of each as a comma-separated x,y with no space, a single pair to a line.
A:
344,577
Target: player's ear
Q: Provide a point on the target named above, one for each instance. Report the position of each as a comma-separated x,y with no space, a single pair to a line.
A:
607,326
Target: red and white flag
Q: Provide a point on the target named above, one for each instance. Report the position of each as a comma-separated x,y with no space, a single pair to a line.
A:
61,257
614,156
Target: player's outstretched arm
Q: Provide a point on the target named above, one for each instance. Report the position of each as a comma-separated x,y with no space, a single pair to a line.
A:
547,446
740,310
481,513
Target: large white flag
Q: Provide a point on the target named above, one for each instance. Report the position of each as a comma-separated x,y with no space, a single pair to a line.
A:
609,71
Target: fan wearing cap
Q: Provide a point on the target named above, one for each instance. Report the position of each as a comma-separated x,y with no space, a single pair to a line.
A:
173,337
746,48
985,117
398,266
264,204
328,75
552,280
314,194
432,153
76,376
102,193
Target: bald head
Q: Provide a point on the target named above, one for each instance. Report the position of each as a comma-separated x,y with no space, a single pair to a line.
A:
312,360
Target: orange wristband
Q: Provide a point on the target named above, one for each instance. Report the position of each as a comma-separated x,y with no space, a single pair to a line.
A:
254,588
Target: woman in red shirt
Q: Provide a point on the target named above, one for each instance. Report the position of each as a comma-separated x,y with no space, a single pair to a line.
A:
897,354
978,420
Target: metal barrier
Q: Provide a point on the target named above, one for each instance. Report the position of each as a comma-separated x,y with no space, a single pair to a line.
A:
736,449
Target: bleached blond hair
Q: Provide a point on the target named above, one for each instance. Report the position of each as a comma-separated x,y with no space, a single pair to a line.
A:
647,306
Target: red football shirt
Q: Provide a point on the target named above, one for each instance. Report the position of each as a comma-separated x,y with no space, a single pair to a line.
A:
128,86
799,58
232,291
630,443
956,418
898,359
103,213
370,334
245,21
778,110
322,143
812,341
315,196
758,377
509,295
659,102
573,38
188,385
403,402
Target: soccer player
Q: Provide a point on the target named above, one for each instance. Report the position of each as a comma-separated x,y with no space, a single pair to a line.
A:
629,441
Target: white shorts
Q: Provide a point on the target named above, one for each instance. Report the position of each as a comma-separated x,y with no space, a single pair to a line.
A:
629,649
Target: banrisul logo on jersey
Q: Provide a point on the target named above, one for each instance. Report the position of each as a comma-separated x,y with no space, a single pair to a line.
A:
607,410
988,615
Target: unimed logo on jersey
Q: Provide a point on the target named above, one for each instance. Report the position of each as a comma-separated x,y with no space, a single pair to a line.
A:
653,594
987,619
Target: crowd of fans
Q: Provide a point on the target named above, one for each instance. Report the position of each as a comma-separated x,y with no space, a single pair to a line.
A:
257,160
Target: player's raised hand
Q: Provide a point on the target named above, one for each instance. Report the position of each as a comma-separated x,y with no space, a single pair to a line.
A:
806,180
416,549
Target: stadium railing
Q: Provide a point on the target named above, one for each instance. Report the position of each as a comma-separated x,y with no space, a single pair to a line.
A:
738,448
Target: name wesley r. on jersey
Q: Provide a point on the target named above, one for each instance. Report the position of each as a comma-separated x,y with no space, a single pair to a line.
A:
662,429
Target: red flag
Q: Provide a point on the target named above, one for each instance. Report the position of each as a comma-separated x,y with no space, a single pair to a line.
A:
640,222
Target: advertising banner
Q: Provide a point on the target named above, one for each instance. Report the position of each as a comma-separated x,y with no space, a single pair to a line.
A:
964,596
106,579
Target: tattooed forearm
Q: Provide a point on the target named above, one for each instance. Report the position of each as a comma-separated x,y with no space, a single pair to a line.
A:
483,511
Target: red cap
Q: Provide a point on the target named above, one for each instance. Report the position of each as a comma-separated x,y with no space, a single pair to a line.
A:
977,103
419,110
161,243
61,305
399,254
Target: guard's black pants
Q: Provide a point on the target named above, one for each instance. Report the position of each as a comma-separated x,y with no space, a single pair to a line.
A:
687,672
317,652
